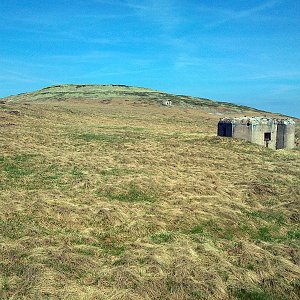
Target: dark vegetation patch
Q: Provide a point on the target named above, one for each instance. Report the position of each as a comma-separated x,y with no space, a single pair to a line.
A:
257,294
109,243
213,229
118,172
16,225
33,172
267,227
17,166
119,137
293,234
77,172
3,107
88,137
133,194
15,264
270,216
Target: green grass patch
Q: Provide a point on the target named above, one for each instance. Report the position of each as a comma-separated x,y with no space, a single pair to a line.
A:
271,234
17,226
264,233
69,266
77,172
89,137
117,172
52,173
2,107
16,171
52,177
243,294
212,229
4,284
30,172
125,128
110,247
24,157
133,194
111,172
113,249
114,137
293,234
198,229
162,237
277,217
18,165
85,251
108,243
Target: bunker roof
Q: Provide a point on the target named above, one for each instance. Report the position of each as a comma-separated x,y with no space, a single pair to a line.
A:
257,120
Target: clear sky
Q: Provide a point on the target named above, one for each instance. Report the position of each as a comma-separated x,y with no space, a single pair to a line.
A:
246,52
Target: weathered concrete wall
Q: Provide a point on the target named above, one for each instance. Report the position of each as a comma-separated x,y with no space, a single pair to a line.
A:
259,131
268,132
243,131
289,138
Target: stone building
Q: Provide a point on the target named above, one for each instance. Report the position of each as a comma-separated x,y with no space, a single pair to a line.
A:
269,132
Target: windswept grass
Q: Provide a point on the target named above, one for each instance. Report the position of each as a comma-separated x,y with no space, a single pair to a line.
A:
128,200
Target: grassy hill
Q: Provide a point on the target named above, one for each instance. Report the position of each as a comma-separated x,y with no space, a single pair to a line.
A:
107,93
123,198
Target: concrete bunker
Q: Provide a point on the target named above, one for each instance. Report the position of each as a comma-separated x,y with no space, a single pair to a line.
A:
167,102
269,132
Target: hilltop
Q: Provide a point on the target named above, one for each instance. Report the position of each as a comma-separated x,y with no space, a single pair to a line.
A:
107,93
123,198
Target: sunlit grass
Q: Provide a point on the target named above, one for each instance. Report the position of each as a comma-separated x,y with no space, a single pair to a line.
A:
123,200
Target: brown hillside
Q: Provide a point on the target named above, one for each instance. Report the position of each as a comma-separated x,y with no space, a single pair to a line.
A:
123,198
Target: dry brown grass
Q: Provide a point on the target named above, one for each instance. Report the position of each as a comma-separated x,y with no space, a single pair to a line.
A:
135,201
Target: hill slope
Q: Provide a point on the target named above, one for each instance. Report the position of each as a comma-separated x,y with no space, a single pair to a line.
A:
108,92
120,199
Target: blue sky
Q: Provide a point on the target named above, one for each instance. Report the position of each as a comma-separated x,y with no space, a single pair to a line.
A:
246,52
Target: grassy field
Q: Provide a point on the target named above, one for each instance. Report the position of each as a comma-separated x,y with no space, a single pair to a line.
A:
131,200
